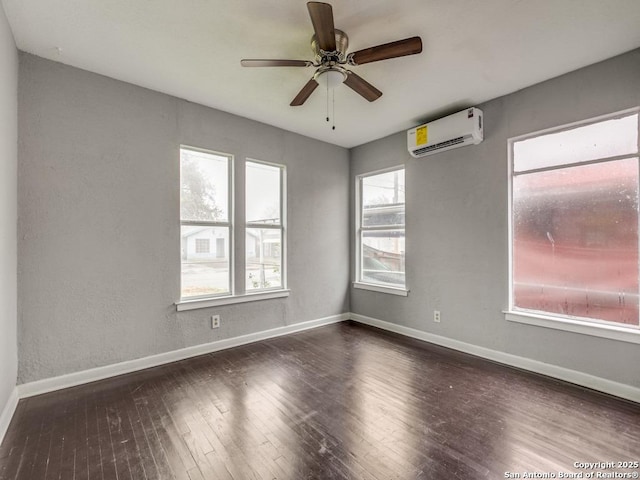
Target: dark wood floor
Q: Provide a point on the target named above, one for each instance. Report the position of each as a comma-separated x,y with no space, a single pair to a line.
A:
342,401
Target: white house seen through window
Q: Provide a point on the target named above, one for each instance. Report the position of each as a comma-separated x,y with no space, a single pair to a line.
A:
381,229
574,221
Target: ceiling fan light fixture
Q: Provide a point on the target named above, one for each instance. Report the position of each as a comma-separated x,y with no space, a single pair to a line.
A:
330,78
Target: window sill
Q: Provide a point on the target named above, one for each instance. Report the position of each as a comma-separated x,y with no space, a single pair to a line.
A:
381,289
230,299
612,332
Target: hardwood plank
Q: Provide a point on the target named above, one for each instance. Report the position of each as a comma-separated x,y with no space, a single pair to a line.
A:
167,436
95,466
118,442
81,435
11,465
65,467
156,448
143,464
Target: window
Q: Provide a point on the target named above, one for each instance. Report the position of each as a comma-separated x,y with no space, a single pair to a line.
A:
205,216
212,268
381,230
574,222
265,226
202,245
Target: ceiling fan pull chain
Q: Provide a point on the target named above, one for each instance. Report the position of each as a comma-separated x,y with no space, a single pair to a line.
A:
327,101
333,108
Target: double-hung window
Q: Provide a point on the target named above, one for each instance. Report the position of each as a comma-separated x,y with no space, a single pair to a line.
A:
381,231
205,226
574,223
213,272
264,233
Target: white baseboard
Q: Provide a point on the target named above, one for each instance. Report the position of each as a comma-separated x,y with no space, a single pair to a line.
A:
85,376
583,379
7,413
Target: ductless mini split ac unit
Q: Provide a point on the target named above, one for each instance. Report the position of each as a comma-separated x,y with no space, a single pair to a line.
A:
457,130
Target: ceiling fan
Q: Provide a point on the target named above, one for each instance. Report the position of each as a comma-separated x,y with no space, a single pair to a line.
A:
329,46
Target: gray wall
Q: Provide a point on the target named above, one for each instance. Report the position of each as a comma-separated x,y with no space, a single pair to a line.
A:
99,267
8,209
457,225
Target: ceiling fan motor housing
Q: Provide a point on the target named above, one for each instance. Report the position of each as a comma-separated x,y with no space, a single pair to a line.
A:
338,56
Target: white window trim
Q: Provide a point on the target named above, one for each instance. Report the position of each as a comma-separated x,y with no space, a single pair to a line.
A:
233,297
230,299
374,287
592,327
629,334
358,283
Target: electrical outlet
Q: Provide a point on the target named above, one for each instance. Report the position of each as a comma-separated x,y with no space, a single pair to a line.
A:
436,316
215,321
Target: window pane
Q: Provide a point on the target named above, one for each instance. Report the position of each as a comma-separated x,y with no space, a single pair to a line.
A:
202,245
609,138
205,271
262,193
575,248
383,199
204,186
383,257
383,215
263,258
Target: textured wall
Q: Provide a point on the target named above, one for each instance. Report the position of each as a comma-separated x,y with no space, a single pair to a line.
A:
99,266
457,225
8,209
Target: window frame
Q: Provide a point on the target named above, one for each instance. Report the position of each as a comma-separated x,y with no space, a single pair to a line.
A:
282,227
236,293
358,283
593,327
220,224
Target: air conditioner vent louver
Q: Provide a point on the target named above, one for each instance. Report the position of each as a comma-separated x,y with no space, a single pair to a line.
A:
446,133
439,146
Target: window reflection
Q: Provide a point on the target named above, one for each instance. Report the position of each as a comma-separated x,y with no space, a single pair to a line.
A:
575,241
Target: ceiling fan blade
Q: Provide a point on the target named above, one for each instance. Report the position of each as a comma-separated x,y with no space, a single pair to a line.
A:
361,86
305,93
322,19
251,62
400,48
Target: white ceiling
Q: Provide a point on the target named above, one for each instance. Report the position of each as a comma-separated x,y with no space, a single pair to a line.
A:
472,51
